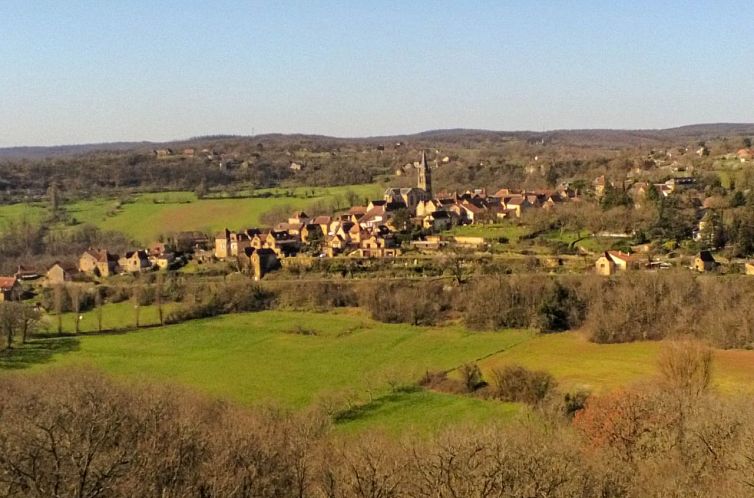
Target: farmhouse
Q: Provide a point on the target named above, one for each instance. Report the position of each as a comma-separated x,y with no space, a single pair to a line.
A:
610,261
704,262
605,265
135,261
10,289
98,262
60,273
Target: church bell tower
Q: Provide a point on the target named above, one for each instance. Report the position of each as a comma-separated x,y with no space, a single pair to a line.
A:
425,176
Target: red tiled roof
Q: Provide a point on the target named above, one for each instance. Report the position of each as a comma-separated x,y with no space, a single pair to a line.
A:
7,283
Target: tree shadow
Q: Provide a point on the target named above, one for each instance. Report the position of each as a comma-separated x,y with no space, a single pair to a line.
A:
36,352
397,398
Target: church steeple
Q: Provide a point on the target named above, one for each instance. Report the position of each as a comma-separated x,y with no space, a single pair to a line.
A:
425,175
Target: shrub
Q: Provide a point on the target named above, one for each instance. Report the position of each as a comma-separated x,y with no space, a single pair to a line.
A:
516,383
471,376
561,309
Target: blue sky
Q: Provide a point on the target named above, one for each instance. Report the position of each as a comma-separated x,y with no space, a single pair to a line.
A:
91,71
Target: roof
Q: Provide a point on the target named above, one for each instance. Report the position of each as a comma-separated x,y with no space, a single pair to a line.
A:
102,256
67,267
472,207
7,283
623,256
321,220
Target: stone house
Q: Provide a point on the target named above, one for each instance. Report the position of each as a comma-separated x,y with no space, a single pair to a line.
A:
135,261
605,265
612,261
222,244
376,246
704,262
60,273
98,262
438,221
238,242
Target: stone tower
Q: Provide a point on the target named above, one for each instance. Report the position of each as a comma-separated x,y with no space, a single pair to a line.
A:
425,176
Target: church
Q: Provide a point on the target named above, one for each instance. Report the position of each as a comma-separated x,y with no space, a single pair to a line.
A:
412,196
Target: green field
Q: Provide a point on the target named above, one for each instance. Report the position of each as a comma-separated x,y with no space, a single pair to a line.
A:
342,359
579,364
146,216
114,316
263,358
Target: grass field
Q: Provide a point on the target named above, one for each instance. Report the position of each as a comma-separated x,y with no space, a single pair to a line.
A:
579,364
264,358
114,316
296,359
149,215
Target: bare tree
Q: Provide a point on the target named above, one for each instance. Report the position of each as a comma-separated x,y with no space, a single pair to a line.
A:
158,290
8,321
98,307
74,293
136,298
29,318
57,303
686,365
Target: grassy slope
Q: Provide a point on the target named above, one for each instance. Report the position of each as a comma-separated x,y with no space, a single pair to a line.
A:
254,358
578,363
114,316
144,219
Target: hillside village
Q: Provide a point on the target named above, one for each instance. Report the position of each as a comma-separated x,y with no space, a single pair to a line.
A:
419,220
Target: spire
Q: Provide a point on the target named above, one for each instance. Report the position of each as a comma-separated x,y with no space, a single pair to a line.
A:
425,176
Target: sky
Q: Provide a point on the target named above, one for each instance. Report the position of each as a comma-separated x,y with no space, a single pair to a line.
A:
74,71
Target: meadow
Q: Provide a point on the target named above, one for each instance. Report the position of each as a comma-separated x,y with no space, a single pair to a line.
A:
345,359
143,217
296,359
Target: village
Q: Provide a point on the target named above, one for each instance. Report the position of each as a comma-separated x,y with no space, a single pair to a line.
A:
406,221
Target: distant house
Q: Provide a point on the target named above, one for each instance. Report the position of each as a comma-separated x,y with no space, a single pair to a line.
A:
612,261
745,155
298,218
376,246
704,262
26,273
98,262
437,220
238,242
162,261
335,244
163,153
10,289
263,261
60,273
135,261
605,265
